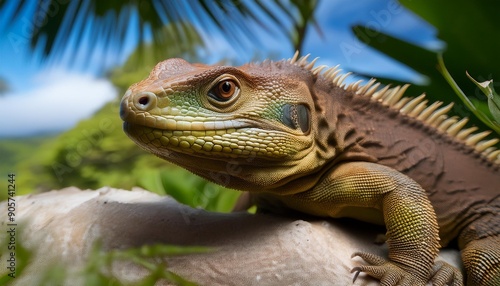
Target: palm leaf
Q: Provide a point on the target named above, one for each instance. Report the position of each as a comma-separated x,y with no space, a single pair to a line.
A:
468,29
62,26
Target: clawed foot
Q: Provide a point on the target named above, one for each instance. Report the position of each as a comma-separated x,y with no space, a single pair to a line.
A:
445,274
391,273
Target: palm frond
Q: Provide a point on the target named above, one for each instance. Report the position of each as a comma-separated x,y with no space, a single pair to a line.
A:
61,27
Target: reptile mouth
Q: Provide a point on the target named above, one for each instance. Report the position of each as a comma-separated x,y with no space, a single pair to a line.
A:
203,135
233,142
181,125
188,139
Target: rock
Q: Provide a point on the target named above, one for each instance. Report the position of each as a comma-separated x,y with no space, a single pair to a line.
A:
63,226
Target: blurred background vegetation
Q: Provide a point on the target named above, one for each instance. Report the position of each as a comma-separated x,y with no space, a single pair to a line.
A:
97,153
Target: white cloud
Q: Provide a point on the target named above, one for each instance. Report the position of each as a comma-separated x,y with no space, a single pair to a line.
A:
60,101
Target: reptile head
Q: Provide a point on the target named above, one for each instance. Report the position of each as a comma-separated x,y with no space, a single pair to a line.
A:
244,127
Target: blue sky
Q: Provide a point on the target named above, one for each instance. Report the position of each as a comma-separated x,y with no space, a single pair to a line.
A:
54,97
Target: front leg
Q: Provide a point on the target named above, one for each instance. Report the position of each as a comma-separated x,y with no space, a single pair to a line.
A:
482,261
480,245
354,190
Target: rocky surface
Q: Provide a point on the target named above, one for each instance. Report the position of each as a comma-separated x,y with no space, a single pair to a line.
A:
62,226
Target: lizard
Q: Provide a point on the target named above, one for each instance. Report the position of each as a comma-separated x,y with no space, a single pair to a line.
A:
298,136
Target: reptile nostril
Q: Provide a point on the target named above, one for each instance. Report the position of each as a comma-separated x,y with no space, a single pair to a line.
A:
145,101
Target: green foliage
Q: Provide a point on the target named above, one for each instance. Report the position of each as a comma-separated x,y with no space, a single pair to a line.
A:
20,152
464,26
16,150
487,88
465,48
99,263
67,159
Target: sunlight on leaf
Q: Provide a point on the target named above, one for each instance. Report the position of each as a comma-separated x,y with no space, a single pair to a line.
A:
483,117
493,98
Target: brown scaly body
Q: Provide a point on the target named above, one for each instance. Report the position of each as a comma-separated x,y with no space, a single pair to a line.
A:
297,137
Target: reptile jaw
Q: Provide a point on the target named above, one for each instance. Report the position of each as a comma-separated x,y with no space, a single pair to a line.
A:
171,129
185,134
245,142
192,134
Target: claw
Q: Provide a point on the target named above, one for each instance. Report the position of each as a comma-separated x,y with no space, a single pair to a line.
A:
357,270
392,273
389,273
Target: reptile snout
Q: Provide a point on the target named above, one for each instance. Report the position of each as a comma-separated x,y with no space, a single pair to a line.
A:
137,102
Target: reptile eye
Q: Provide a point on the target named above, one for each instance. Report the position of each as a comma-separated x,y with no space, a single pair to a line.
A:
224,90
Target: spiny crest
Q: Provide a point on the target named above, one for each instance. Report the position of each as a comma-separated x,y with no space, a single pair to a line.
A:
433,114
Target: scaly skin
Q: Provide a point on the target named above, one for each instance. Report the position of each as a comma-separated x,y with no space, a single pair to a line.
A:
296,137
